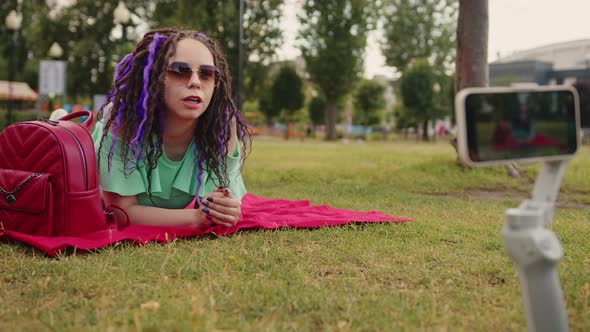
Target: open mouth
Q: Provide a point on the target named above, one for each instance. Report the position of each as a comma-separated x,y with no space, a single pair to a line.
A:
193,100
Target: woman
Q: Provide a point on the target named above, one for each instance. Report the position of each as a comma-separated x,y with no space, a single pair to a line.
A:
170,132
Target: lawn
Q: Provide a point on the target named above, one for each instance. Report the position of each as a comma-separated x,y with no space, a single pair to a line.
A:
446,270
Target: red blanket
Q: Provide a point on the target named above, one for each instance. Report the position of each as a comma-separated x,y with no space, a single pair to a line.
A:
257,212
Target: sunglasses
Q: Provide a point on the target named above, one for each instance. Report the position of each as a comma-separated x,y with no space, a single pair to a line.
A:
206,73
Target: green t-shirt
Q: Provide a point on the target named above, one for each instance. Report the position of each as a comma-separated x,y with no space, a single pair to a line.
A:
173,183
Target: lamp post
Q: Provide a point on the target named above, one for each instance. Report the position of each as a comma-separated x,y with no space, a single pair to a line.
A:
55,52
13,22
240,53
122,16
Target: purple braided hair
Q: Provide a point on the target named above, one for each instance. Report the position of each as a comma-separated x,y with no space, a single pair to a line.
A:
121,71
115,128
199,165
127,61
242,135
142,107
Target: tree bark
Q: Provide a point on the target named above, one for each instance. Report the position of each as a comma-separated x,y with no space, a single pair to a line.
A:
471,66
330,120
472,45
472,53
287,130
425,130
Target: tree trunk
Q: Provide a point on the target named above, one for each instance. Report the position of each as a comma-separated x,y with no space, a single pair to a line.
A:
330,120
472,45
425,130
288,130
472,53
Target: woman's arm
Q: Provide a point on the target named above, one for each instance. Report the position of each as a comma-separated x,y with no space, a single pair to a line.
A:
149,215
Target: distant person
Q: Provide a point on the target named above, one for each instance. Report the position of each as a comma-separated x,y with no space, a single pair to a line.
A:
520,133
170,131
522,125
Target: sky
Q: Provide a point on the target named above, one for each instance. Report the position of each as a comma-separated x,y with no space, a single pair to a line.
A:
514,25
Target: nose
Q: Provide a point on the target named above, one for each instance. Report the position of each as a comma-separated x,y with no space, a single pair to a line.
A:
194,81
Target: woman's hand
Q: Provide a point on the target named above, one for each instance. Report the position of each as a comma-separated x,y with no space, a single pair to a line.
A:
221,207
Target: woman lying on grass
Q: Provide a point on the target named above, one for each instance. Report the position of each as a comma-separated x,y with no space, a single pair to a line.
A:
170,131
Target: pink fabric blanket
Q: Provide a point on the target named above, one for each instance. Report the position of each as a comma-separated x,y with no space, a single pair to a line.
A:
257,213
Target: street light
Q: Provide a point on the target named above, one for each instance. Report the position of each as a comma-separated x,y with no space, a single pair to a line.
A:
55,51
12,22
436,87
240,54
122,16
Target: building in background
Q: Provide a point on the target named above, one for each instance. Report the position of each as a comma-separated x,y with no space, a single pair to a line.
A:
558,63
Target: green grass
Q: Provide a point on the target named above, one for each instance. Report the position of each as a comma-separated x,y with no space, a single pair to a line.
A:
446,270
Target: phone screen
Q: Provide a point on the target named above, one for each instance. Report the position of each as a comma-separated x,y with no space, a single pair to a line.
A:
520,124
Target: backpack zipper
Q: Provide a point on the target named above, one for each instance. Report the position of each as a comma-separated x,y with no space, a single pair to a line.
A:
55,123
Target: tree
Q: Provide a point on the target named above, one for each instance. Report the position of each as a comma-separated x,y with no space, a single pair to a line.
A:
317,110
472,45
287,93
333,38
84,31
415,29
403,118
368,101
471,68
444,99
472,54
417,88
13,42
219,19
266,107
583,88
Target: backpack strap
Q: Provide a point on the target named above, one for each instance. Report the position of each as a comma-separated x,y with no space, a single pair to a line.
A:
89,120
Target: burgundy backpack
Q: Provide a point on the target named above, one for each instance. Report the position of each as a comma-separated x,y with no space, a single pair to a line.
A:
48,178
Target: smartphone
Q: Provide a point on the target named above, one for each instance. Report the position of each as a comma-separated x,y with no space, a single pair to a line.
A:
498,125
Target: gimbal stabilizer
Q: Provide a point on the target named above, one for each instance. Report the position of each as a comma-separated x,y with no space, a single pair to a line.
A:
536,252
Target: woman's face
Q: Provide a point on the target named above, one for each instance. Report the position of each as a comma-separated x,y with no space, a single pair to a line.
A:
190,80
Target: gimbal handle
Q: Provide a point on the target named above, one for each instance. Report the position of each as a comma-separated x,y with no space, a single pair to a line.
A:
536,252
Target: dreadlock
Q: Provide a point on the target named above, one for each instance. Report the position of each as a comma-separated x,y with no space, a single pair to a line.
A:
134,112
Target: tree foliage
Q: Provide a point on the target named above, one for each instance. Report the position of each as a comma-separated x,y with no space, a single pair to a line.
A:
92,44
416,29
368,103
403,117
287,95
266,107
220,20
287,90
85,33
333,38
418,95
317,110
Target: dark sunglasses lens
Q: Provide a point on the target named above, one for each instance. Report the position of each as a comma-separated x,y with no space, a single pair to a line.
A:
181,70
206,74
